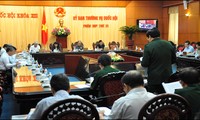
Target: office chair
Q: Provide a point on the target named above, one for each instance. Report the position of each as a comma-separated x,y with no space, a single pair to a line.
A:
111,86
71,109
166,107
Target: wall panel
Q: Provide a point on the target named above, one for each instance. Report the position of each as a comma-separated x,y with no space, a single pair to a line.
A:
143,10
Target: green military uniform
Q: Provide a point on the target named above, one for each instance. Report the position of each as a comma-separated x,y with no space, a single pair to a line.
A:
104,71
158,57
192,95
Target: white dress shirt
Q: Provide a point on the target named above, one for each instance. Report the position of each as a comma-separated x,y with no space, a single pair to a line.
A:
188,49
128,107
34,49
46,102
5,62
12,58
2,51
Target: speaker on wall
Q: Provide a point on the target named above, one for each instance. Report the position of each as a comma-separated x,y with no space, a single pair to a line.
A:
185,4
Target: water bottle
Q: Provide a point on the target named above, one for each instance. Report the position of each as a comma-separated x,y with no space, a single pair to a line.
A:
50,76
45,71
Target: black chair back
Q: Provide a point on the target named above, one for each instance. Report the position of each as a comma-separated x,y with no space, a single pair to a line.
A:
166,107
71,109
111,85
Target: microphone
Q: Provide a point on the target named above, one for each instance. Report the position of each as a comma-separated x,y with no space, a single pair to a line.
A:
93,73
95,100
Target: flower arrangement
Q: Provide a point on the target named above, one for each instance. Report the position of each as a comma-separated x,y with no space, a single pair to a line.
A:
115,57
61,31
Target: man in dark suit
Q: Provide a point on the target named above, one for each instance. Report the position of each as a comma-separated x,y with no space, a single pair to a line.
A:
158,57
104,62
190,79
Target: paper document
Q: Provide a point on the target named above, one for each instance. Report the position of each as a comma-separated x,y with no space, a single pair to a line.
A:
78,83
105,109
170,87
83,86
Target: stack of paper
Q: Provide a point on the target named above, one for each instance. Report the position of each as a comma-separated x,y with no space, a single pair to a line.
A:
170,87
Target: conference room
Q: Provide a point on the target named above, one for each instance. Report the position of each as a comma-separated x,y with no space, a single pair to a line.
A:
53,37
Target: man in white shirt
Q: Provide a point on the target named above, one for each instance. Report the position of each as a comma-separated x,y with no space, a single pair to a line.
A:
60,88
4,48
128,107
6,65
188,48
5,59
34,48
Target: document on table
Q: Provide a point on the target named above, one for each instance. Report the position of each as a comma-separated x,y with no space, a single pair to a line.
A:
170,87
105,109
83,85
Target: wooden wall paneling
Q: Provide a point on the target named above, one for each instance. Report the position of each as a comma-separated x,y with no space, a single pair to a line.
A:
143,10
189,26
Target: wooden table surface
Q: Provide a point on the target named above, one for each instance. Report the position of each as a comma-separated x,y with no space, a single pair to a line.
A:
26,82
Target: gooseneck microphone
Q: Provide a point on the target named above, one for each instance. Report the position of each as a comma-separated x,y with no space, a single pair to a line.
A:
95,100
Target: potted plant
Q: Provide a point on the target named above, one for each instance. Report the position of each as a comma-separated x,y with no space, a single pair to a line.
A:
128,31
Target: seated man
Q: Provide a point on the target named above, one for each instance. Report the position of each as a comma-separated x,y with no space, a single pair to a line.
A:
128,107
188,48
60,88
197,51
189,78
34,48
99,45
104,62
78,46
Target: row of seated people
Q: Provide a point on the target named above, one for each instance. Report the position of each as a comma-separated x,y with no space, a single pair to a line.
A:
35,47
98,46
77,46
136,98
188,47
137,103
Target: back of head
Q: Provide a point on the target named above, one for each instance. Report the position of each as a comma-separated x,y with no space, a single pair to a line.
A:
154,32
6,45
133,79
104,60
10,48
60,82
187,41
189,75
113,43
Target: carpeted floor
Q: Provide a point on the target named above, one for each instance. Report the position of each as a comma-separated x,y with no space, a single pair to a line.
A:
10,107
